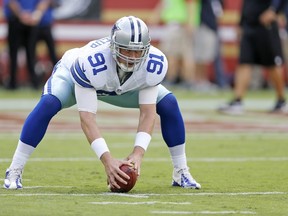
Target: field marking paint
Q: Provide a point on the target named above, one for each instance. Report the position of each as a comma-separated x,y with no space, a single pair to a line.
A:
140,203
48,194
35,187
127,195
202,212
146,195
206,160
26,180
210,194
223,194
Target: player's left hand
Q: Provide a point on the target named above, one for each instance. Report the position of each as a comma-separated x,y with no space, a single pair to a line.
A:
136,158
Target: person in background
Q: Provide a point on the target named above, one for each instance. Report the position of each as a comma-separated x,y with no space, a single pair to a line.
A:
218,63
23,18
207,45
45,30
283,25
260,45
176,43
43,68
124,70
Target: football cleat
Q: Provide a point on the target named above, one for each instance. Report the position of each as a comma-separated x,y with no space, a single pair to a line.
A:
183,178
280,107
13,179
232,108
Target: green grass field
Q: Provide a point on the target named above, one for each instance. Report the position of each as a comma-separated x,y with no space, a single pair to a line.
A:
241,162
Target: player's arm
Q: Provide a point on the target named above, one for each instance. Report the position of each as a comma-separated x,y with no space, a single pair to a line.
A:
14,7
87,102
87,106
147,106
18,11
270,15
155,17
40,9
86,98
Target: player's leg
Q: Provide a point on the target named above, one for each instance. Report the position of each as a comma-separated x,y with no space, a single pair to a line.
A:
276,76
57,94
173,132
14,42
273,60
242,76
170,46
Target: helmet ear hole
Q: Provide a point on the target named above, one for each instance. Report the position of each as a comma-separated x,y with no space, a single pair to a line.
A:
132,34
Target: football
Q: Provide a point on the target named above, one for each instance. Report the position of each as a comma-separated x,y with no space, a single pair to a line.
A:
132,173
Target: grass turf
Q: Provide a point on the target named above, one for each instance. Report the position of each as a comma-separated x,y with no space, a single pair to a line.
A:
240,172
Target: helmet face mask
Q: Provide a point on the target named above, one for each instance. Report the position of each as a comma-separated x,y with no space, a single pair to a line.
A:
128,62
130,43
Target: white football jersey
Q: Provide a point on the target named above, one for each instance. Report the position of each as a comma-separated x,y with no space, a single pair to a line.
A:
92,66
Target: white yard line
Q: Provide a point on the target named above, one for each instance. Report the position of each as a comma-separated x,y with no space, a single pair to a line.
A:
205,160
202,212
35,187
267,193
141,203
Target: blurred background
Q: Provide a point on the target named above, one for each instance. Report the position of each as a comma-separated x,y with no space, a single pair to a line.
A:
77,22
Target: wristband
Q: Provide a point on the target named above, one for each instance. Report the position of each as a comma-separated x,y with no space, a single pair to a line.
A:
142,139
99,146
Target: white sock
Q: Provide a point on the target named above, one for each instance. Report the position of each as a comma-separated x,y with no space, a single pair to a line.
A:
178,156
21,155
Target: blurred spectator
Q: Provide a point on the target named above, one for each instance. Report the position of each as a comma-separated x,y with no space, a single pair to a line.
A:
220,74
45,34
23,17
260,45
207,45
177,41
45,30
283,25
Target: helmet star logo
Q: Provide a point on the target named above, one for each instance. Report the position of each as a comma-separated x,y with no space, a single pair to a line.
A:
115,28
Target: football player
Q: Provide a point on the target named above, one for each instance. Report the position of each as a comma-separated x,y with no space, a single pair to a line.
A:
124,70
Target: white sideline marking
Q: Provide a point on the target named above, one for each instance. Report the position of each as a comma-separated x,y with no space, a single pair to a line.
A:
126,195
148,195
222,194
141,203
207,194
34,187
201,212
207,160
26,180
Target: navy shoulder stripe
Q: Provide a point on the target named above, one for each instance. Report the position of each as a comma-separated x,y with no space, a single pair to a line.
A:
79,75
